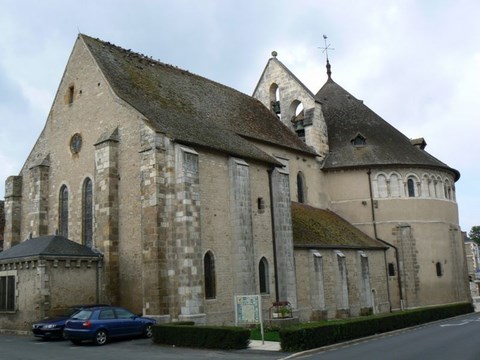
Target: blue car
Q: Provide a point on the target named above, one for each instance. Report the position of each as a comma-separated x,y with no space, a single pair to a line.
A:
103,323
52,328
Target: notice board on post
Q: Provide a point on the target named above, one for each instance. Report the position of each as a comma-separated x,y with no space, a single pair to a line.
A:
248,310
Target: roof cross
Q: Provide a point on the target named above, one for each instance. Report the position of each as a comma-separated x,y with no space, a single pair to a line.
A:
325,50
326,47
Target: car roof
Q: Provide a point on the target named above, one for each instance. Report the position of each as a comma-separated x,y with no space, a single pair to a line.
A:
85,306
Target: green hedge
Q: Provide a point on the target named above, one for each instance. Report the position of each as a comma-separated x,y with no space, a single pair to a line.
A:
212,337
314,335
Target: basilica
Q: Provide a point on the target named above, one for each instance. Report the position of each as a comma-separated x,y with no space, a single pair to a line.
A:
165,192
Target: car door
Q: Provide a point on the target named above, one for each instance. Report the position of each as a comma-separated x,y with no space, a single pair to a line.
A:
128,323
108,320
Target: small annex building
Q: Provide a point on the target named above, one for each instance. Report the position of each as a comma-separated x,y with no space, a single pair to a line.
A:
44,276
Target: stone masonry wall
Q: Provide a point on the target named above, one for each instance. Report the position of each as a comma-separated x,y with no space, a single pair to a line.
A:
312,308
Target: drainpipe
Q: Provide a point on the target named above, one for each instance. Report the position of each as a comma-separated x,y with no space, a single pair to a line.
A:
397,259
98,270
272,215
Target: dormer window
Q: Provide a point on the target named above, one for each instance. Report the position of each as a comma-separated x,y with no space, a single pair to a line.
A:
359,140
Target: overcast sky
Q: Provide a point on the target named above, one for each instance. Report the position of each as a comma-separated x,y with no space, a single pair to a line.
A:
415,63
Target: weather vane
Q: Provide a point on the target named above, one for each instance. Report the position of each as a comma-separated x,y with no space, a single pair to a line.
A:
326,47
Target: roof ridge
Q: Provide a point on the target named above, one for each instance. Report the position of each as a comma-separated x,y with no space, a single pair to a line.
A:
188,107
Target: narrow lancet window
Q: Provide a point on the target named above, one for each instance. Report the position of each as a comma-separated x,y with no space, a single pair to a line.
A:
209,271
63,212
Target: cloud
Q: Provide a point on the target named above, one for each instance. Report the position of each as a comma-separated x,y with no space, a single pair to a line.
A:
416,64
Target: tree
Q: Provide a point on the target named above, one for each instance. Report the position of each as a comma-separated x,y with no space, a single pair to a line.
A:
474,234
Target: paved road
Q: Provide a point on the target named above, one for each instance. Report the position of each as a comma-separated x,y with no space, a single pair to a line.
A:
30,348
452,339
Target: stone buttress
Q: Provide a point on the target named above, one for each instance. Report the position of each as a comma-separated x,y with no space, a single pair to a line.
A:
13,211
107,213
283,234
38,193
171,242
242,232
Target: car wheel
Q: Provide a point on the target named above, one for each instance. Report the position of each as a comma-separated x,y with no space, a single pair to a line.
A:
148,331
76,342
101,337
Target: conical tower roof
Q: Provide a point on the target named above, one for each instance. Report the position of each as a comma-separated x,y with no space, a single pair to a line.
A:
359,138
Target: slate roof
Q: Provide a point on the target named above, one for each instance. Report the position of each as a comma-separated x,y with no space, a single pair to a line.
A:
52,245
319,228
346,117
189,108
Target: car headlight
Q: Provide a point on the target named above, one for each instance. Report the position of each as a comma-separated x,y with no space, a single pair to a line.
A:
50,326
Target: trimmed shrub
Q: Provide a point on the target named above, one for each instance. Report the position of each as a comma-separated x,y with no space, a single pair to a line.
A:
211,337
314,335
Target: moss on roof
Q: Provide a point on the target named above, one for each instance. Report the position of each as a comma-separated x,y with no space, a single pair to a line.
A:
347,116
323,228
189,108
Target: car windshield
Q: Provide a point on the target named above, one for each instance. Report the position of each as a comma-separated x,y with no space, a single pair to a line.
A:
70,312
82,315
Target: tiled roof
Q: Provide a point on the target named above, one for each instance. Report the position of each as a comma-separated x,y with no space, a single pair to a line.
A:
189,108
51,245
346,117
317,228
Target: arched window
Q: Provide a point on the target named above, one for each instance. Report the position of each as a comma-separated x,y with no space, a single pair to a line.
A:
209,271
63,211
448,190
298,118
394,185
425,187
411,187
263,276
439,189
87,213
275,99
382,186
300,187
431,188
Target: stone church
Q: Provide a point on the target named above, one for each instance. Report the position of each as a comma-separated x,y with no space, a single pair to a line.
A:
162,191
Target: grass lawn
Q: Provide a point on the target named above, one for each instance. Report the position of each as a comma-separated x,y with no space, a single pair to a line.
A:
269,335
